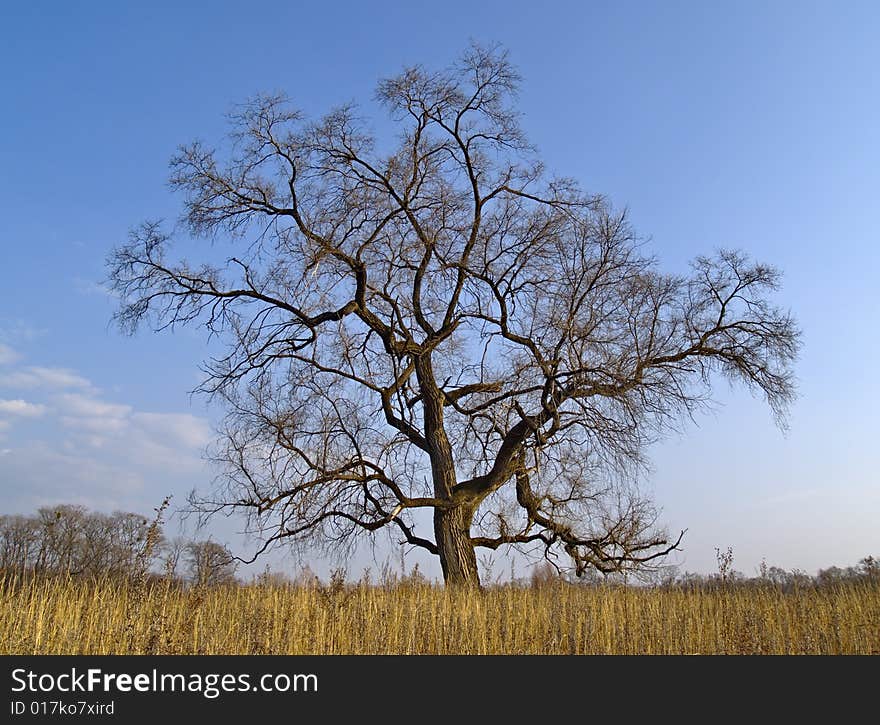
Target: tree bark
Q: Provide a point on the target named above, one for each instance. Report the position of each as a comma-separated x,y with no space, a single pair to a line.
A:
452,529
452,526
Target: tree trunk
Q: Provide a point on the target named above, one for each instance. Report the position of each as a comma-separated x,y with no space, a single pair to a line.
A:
452,526
452,529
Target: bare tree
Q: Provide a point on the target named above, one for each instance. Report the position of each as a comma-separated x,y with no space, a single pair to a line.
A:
438,325
72,540
19,542
209,563
171,553
61,538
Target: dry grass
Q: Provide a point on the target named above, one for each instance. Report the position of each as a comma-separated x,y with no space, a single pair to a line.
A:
43,616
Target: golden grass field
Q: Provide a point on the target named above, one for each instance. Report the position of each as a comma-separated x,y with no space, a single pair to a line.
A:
59,616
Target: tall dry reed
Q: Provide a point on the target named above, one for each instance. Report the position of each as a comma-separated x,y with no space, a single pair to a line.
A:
65,616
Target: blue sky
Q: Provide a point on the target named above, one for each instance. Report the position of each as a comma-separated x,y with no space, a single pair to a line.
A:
751,125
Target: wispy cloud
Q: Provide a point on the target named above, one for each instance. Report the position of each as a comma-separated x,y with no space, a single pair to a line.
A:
43,475
13,331
79,404
88,287
148,439
89,448
175,429
43,377
22,408
104,425
8,355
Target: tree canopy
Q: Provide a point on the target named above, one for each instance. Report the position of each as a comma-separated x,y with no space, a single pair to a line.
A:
435,322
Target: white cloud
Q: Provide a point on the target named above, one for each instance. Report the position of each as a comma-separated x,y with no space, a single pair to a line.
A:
88,287
42,377
8,355
91,450
20,330
43,474
150,440
165,441
77,404
22,408
106,425
175,429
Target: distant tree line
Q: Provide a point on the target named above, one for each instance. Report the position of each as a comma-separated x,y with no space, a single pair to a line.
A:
71,540
671,577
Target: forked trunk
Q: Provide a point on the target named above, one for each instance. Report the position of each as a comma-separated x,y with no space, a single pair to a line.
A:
452,528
